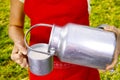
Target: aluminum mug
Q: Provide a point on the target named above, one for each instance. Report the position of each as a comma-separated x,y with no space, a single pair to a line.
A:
40,64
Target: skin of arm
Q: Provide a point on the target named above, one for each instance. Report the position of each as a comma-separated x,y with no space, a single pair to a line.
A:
16,33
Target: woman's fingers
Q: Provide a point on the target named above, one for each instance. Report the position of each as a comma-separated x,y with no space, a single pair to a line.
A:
19,57
19,61
14,54
114,62
25,63
117,50
112,29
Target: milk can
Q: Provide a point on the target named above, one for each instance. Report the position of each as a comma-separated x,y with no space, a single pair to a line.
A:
80,44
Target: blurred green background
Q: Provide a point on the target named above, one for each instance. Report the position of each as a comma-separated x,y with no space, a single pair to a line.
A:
102,12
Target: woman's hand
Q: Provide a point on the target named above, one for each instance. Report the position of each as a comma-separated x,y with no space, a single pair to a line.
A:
117,50
19,54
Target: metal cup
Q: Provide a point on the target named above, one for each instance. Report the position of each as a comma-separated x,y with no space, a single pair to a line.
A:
40,64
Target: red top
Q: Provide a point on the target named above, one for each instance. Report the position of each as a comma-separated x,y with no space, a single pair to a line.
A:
58,12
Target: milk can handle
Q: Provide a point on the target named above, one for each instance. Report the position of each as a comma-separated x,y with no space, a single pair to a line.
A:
102,26
34,26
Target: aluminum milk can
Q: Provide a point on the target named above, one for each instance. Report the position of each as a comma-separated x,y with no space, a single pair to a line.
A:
81,45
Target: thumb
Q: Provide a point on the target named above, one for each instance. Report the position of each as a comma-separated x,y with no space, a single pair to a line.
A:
23,50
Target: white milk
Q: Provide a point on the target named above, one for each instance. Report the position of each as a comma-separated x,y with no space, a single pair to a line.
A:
37,55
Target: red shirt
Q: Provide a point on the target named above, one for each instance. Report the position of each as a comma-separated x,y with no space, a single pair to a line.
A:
58,12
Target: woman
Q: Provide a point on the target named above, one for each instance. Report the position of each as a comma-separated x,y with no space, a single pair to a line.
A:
57,12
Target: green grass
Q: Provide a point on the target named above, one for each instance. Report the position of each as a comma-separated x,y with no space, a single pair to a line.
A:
103,12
